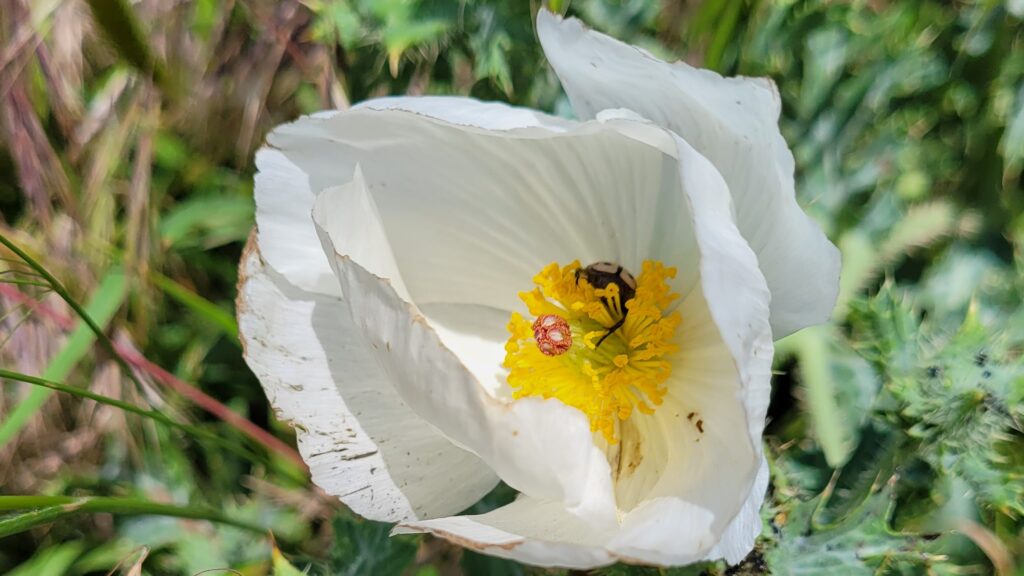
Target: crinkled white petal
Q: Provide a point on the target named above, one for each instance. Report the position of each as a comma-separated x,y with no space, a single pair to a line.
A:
738,299
349,215
477,335
731,121
361,441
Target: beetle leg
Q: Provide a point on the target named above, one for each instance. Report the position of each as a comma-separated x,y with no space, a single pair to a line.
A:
610,331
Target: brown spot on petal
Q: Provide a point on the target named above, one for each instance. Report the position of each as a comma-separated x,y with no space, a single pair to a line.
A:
627,455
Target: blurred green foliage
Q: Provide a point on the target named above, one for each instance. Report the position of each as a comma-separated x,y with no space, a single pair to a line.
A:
895,437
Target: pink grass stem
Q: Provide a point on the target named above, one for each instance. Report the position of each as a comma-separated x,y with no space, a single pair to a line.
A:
158,374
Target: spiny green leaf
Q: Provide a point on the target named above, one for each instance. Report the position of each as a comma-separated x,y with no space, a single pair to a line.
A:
956,394
858,546
876,457
366,547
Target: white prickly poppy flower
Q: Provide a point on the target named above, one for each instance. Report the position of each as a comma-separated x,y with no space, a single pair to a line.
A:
442,293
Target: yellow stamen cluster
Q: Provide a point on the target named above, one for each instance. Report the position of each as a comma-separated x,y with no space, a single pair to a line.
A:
607,382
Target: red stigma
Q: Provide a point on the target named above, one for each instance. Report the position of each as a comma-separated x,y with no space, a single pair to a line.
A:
553,335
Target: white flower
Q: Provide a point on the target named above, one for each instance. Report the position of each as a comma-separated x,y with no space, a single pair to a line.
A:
380,325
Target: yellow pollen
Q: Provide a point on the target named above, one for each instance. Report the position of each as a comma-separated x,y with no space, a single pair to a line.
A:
626,372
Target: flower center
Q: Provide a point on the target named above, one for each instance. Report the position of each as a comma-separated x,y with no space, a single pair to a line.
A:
598,343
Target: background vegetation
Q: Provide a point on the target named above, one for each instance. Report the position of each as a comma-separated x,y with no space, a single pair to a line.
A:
136,442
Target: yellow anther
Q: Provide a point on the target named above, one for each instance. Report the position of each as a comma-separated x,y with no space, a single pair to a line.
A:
626,372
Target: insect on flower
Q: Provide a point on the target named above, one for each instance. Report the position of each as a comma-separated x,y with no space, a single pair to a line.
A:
600,275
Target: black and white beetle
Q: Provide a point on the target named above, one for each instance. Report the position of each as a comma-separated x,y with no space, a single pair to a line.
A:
600,275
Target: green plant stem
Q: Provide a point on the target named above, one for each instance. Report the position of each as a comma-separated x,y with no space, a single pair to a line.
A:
127,407
50,508
61,291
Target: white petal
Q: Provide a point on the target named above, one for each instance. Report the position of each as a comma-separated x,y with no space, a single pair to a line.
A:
349,215
477,334
665,532
539,447
738,539
732,122
737,299
301,160
362,443
285,232
530,531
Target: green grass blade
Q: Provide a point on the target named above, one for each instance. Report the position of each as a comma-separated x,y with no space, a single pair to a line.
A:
18,282
199,305
26,521
56,559
49,508
154,415
101,308
725,31
82,313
